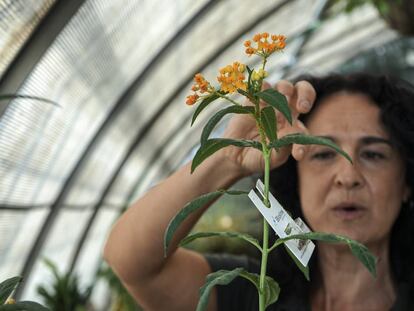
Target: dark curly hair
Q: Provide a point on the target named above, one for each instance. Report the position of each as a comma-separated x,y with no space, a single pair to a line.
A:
395,99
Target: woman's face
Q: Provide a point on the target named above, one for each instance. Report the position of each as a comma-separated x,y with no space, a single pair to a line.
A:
360,200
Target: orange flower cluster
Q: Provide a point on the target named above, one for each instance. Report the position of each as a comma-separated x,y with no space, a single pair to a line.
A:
264,46
201,85
232,77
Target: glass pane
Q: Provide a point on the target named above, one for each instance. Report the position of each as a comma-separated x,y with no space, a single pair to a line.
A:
18,230
87,265
59,247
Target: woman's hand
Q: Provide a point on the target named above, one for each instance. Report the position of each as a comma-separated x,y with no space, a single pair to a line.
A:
300,98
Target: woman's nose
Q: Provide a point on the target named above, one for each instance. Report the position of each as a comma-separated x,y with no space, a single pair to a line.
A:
348,175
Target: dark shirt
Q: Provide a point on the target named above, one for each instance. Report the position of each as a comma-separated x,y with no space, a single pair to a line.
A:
241,294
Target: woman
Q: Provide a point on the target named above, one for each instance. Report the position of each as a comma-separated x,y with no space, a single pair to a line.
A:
371,118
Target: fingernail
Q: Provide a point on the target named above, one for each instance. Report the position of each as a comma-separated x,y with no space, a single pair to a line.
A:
305,105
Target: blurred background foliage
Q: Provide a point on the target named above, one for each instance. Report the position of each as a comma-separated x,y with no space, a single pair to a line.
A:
396,58
63,291
397,13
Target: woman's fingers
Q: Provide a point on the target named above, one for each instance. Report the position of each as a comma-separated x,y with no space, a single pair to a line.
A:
306,95
299,151
287,89
299,96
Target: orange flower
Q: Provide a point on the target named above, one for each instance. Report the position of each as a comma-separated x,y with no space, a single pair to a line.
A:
191,99
200,86
232,77
250,51
265,47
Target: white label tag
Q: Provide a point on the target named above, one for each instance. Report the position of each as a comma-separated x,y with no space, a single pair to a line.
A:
283,224
302,225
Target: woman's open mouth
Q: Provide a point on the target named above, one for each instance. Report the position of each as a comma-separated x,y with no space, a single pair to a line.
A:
349,211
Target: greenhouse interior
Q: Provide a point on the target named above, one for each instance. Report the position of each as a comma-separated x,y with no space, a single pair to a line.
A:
93,114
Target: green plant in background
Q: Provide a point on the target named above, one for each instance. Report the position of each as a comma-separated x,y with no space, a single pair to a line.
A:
122,300
397,13
383,6
232,79
7,303
63,293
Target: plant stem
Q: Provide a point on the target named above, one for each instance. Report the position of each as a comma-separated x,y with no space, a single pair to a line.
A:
227,98
265,245
265,251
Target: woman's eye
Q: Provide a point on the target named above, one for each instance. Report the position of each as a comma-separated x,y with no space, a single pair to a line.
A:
323,155
372,155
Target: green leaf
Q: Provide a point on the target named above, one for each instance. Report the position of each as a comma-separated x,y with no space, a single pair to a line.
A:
276,100
304,269
63,292
219,115
52,268
191,207
203,104
24,306
224,277
7,287
358,250
268,117
272,291
383,7
249,79
17,96
237,235
271,288
215,144
221,277
303,139
361,252
243,92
